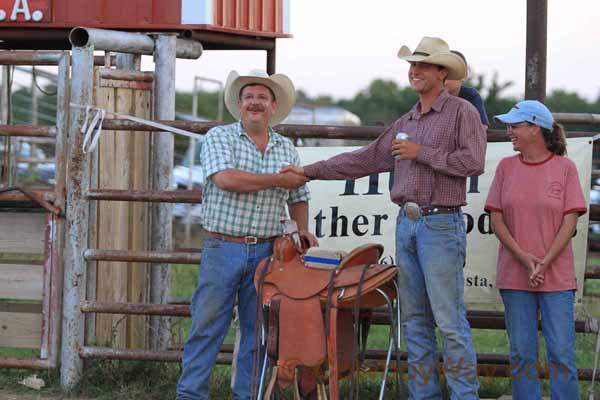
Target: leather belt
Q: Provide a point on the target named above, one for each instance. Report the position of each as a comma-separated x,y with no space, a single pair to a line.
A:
414,211
431,210
240,239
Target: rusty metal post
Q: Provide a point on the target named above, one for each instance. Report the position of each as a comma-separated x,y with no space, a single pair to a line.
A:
161,170
4,94
58,243
77,222
535,53
271,56
127,62
5,119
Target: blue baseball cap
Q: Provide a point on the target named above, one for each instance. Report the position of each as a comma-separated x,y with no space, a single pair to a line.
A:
531,111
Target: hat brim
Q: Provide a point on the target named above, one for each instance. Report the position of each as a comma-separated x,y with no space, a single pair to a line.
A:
281,86
457,69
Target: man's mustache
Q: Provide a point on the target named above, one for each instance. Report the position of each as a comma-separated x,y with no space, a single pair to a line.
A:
256,107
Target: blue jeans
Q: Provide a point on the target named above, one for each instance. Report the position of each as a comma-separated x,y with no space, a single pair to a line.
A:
430,254
558,328
226,273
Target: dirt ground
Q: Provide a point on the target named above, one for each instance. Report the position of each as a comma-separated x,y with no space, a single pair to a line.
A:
4,395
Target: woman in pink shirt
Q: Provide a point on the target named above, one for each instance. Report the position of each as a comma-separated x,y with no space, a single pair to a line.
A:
534,201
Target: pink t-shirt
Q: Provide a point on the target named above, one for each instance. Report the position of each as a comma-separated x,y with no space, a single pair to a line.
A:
533,199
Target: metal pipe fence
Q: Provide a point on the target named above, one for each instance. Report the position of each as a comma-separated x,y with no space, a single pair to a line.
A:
74,197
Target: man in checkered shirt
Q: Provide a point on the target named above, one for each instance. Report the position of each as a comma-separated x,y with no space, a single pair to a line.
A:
244,200
444,143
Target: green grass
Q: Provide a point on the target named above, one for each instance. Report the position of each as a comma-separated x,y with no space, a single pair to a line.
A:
138,380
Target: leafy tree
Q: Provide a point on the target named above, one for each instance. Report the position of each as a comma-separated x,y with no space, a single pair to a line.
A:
381,103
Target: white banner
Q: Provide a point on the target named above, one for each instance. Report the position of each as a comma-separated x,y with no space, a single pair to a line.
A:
346,214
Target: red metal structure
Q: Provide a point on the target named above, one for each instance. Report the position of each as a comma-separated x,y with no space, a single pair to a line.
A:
218,24
263,18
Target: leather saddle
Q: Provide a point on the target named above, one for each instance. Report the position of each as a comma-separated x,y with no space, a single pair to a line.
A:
314,313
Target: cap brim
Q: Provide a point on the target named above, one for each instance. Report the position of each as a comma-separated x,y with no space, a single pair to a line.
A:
509,118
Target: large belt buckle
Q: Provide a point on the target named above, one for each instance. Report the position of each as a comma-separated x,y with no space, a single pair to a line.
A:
412,210
250,239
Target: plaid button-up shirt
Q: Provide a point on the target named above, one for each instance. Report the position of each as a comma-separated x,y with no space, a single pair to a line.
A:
246,214
453,141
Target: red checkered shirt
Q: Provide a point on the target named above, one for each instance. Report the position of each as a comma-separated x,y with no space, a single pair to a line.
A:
453,140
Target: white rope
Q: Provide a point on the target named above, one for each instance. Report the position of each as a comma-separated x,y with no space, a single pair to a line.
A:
90,141
89,132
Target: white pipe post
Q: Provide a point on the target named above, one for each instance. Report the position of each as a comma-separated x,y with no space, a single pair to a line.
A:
161,169
77,215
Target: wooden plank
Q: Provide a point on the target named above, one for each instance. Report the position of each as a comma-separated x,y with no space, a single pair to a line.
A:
121,215
26,233
20,330
106,170
27,308
121,84
92,266
21,282
140,222
124,163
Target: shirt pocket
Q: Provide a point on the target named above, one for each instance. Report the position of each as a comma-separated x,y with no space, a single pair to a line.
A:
439,134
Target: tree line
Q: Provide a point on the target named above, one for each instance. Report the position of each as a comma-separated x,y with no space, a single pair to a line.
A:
380,103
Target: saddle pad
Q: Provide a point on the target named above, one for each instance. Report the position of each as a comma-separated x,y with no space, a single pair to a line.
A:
323,259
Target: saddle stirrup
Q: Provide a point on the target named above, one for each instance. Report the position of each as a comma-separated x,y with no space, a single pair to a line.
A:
271,385
393,342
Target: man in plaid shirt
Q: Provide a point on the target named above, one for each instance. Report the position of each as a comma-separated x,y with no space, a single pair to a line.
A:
244,200
443,143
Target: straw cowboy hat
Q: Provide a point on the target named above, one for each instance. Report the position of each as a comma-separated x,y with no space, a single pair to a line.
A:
281,85
434,50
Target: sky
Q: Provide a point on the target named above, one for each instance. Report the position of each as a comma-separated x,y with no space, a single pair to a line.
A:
340,46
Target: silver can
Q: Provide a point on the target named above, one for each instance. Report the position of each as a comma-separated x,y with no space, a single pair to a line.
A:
401,136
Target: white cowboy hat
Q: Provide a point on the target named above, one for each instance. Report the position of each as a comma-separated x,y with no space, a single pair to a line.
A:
434,50
281,85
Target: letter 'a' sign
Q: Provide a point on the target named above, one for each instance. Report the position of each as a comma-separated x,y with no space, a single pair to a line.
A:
25,11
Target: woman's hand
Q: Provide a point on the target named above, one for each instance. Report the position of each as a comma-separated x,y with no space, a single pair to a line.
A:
531,263
537,277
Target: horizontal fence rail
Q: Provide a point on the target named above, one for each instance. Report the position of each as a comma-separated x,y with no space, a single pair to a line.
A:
175,196
28,131
491,365
478,319
142,256
289,130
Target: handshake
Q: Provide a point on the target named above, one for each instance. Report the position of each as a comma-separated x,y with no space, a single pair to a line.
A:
291,177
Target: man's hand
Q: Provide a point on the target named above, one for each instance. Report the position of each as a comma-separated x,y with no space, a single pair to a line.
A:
309,237
291,180
296,169
405,149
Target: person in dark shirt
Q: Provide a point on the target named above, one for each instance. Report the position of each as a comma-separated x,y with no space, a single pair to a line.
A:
456,88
